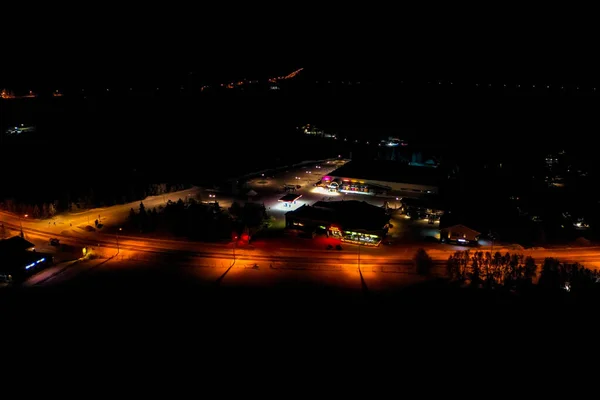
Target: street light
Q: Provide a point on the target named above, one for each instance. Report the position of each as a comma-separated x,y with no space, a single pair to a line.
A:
233,246
359,254
21,223
118,250
360,233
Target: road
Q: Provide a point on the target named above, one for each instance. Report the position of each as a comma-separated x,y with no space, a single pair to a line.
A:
272,253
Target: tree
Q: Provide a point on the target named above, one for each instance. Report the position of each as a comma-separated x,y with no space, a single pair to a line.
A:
36,211
132,216
475,270
550,276
51,210
45,212
153,219
423,263
10,205
254,214
143,217
530,269
235,209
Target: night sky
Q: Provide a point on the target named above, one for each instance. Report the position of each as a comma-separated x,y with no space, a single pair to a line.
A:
102,45
105,45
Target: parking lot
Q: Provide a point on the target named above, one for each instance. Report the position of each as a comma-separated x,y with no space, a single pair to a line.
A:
270,188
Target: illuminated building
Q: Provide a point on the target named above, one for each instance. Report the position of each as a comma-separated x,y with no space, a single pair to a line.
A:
422,208
352,221
313,131
289,199
393,142
384,178
459,234
17,130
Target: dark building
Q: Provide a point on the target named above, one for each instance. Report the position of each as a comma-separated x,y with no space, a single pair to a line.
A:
420,208
15,244
18,259
352,221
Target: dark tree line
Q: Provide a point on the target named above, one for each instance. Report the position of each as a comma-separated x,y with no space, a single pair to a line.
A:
251,215
199,221
189,219
46,210
516,272
570,277
481,269
101,196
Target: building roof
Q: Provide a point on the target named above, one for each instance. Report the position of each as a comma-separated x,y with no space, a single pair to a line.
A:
290,197
315,213
462,229
423,202
388,171
14,244
349,214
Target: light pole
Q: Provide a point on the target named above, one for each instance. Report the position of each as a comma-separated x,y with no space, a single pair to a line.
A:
118,250
360,234
21,223
359,254
233,247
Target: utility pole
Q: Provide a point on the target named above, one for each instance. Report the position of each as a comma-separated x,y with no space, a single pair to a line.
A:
118,250
21,223
233,247
359,255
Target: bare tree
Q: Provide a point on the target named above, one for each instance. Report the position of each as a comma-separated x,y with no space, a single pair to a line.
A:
423,262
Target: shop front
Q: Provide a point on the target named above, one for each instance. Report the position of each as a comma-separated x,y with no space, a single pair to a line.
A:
335,232
353,186
361,238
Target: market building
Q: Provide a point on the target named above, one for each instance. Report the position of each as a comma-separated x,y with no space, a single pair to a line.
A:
384,178
352,221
